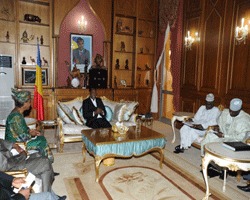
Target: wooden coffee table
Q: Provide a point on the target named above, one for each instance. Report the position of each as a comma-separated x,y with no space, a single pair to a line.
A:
103,143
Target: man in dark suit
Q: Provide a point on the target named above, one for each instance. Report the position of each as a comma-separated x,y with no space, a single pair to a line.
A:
7,183
94,111
40,167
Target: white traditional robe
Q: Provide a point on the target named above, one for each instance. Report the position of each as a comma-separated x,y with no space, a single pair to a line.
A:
205,118
233,128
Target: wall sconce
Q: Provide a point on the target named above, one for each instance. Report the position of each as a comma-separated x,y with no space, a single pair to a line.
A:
241,32
82,24
189,40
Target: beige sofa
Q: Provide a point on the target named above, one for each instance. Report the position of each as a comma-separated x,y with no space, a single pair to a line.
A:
71,123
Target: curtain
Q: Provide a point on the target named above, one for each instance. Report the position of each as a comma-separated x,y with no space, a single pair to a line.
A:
167,16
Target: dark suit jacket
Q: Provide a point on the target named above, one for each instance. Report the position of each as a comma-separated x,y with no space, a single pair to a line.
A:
6,191
88,108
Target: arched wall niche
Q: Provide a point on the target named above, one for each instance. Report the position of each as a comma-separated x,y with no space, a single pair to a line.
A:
68,26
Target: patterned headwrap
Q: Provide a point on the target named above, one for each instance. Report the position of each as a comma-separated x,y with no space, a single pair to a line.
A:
20,96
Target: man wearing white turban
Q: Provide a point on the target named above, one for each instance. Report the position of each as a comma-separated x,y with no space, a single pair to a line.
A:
207,115
233,125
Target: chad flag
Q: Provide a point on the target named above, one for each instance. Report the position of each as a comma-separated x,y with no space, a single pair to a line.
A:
38,92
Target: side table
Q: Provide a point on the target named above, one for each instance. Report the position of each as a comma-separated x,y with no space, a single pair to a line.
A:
180,116
51,123
225,158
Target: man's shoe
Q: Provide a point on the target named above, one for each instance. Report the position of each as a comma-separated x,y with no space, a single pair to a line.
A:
212,171
244,188
62,197
56,174
178,149
246,177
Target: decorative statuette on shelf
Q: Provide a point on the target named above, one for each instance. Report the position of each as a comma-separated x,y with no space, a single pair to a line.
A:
24,61
117,65
123,46
45,62
7,37
119,26
41,40
126,64
25,37
32,18
32,60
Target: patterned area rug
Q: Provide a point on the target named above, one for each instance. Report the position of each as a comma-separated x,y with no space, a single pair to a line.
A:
130,179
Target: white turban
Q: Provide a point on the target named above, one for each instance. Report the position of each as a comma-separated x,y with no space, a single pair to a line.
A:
210,97
235,104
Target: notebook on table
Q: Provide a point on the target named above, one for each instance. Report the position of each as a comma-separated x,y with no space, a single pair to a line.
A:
237,146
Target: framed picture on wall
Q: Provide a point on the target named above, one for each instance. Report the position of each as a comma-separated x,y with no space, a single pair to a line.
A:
29,76
81,51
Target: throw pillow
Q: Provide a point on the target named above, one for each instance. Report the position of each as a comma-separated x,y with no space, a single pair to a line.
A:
131,106
109,113
119,112
65,113
77,116
77,103
109,103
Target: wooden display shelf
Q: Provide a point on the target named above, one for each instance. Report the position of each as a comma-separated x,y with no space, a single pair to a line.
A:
1,41
124,33
129,70
32,44
124,51
44,3
7,20
33,23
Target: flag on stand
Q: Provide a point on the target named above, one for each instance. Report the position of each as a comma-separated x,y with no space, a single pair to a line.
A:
38,91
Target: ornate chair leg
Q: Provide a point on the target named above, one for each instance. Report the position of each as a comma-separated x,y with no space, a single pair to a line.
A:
238,175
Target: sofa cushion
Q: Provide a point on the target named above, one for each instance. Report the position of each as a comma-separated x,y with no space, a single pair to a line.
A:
65,113
119,112
78,116
131,106
109,103
109,113
73,129
77,103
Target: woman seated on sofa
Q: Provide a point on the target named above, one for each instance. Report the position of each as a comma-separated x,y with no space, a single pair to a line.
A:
17,129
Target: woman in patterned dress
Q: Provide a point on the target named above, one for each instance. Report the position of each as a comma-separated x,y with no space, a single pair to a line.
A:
17,129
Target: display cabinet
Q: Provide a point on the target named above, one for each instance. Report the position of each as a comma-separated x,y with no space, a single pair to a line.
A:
26,23
134,43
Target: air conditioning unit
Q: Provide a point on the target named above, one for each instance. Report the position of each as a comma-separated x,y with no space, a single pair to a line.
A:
6,83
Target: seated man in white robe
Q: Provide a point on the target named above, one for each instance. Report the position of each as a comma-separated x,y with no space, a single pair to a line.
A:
233,125
207,115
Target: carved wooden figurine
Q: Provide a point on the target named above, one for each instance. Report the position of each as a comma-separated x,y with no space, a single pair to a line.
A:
33,60
45,62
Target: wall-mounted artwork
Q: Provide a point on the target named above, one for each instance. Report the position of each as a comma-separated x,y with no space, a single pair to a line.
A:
29,76
81,51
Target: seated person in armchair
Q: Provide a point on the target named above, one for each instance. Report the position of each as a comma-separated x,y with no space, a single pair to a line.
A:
207,115
233,125
94,111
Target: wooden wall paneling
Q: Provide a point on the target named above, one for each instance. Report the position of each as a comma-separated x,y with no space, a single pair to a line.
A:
144,99
126,7
147,9
193,6
71,93
105,15
239,67
190,65
61,9
188,105
125,94
213,20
